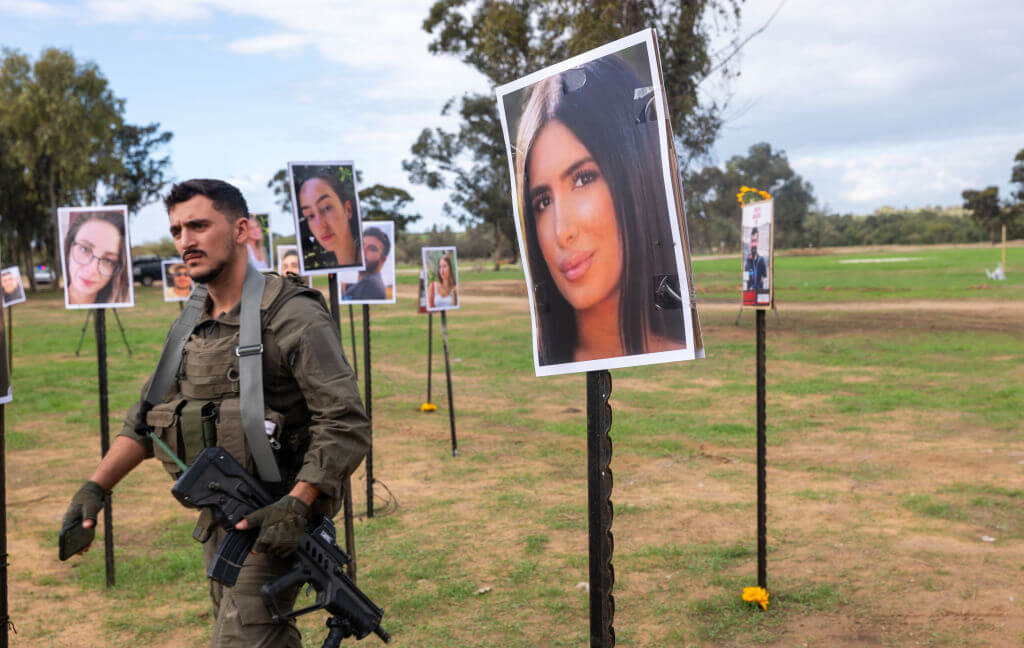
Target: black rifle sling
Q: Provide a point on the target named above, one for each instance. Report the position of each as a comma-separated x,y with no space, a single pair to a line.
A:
250,376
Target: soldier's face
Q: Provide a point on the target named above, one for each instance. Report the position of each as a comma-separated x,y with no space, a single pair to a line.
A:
206,239
753,243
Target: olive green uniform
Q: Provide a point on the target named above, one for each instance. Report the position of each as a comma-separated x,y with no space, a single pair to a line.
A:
311,400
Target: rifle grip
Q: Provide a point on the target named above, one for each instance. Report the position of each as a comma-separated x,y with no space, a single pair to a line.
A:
230,555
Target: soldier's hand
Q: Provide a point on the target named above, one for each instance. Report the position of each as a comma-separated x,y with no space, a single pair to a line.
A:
85,505
281,525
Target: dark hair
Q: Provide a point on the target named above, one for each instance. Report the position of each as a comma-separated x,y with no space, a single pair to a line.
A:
226,198
294,253
753,231
346,192
598,103
379,234
116,290
451,270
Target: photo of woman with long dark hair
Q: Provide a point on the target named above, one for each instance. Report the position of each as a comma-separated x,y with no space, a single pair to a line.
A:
327,220
442,278
594,214
94,251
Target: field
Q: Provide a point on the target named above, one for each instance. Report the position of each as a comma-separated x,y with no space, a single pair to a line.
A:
895,472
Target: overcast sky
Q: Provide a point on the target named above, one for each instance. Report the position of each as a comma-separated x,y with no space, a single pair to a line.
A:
875,102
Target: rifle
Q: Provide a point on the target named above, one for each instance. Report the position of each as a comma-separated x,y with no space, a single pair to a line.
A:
217,482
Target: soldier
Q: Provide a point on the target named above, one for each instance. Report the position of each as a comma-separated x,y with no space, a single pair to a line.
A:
314,418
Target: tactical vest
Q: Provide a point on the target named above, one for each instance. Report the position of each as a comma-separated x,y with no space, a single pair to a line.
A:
206,408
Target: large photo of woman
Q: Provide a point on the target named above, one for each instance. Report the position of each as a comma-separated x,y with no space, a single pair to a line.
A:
328,223
95,257
596,211
442,273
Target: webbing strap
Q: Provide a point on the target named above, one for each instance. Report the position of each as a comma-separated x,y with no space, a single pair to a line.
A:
250,376
170,358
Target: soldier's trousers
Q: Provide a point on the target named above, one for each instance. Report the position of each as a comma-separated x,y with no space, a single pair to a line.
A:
242,620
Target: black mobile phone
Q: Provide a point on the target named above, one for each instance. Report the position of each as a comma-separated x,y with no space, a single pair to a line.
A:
74,537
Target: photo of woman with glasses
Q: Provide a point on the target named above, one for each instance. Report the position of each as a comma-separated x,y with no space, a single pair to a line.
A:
596,211
95,257
327,220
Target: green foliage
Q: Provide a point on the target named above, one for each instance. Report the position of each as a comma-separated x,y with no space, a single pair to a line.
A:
65,141
713,212
380,202
506,39
986,210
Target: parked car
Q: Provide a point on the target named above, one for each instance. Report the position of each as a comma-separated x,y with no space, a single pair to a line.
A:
44,275
147,268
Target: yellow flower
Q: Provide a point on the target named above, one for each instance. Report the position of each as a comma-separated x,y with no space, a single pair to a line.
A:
757,595
428,407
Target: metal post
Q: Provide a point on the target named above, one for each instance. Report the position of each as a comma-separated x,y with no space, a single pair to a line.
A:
368,391
448,375
762,508
347,514
5,619
430,350
599,508
10,341
352,331
81,338
123,336
100,321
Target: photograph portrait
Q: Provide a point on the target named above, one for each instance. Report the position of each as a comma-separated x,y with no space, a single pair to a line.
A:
756,237
328,223
177,283
288,262
14,290
260,240
375,284
442,278
598,215
95,256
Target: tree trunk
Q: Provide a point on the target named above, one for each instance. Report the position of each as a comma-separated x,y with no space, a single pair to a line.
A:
55,223
497,246
25,254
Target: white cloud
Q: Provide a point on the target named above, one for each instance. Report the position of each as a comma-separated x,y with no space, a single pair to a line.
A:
284,43
28,8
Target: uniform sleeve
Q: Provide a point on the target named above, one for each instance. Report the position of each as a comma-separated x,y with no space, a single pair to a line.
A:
131,419
339,429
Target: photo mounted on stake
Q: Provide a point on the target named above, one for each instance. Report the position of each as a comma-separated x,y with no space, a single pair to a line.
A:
442,278
177,284
598,214
13,289
376,283
288,262
757,234
325,205
260,240
95,256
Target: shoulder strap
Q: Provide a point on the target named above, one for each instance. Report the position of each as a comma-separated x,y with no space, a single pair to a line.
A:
170,357
250,375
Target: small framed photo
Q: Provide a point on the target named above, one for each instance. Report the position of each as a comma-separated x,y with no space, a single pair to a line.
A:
375,284
177,282
757,236
95,256
288,262
441,268
260,240
598,211
328,223
13,289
